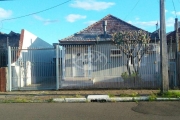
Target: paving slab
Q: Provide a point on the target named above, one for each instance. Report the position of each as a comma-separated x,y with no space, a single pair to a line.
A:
72,100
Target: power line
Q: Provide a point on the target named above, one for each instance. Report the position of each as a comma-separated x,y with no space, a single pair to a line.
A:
32,13
174,8
37,12
5,0
132,9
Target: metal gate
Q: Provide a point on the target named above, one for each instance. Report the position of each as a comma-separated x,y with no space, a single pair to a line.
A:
33,68
172,75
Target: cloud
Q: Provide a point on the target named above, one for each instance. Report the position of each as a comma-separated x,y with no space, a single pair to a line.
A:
5,13
137,18
175,13
74,17
90,22
143,24
45,21
170,22
91,5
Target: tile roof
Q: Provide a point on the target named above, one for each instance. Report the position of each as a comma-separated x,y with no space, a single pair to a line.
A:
155,36
172,36
94,31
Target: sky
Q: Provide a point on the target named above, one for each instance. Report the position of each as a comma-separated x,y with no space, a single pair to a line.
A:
52,20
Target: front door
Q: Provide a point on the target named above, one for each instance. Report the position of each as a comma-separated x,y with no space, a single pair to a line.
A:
80,60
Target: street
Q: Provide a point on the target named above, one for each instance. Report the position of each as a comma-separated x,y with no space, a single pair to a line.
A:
91,111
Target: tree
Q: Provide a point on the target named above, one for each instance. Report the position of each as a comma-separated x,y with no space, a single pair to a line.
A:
134,44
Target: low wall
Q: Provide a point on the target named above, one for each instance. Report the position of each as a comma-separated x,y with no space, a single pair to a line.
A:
3,79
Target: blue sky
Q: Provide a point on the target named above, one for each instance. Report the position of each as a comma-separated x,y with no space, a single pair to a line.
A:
75,15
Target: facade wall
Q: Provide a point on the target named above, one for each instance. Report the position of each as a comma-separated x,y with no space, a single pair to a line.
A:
97,63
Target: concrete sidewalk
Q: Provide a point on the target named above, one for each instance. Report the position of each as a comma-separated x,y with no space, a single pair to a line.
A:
81,92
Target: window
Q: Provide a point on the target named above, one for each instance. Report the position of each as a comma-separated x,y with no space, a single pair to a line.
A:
152,49
115,53
78,54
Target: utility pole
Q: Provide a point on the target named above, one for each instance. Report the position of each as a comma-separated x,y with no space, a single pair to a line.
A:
177,48
163,50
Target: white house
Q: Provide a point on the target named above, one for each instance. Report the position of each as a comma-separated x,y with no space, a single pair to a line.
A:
31,61
91,58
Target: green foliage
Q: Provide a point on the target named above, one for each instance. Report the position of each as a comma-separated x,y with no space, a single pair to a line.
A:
17,100
134,74
129,36
78,96
125,75
170,94
152,97
111,95
50,100
124,95
135,94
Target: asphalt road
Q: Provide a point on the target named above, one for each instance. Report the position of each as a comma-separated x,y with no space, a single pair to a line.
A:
91,111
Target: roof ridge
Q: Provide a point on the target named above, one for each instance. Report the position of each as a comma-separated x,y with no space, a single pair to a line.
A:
86,27
126,22
95,23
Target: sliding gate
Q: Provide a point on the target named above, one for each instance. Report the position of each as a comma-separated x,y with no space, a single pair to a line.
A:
33,68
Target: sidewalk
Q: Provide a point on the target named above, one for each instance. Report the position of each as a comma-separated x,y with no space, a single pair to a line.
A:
81,92
48,96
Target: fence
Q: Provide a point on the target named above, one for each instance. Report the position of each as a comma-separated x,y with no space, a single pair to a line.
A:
88,67
33,68
173,65
105,66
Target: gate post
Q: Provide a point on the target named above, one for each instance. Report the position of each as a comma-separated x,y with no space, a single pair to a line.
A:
57,67
9,84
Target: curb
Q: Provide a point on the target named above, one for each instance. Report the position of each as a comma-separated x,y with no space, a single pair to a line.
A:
167,99
113,99
72,100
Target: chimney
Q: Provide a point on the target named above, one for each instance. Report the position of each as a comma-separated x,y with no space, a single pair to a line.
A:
178,24
104,27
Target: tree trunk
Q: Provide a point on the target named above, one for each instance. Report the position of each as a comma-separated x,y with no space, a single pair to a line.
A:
128,66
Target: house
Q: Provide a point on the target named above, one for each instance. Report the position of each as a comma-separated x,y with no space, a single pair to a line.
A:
11,39
31,61
91,59
171,37
173,64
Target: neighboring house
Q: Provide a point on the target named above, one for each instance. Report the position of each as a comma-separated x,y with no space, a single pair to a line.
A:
31,60
171,37
171,48
11,39
90,56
